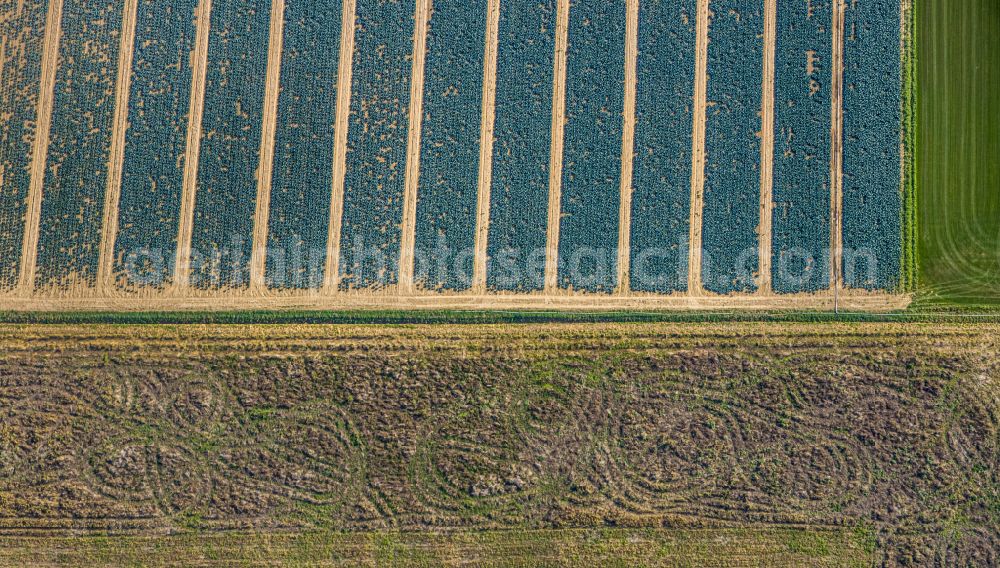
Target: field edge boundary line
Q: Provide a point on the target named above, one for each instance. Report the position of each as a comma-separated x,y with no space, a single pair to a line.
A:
486,135
265,166
909,267
116,160
421,17
189,187
905,249
40,147
345,77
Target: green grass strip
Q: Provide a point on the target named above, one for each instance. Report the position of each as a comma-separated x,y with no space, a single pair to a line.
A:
604,547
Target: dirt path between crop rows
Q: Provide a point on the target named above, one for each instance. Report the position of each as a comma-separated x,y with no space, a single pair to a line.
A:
412,181
116,160
345,74
269,124
46,99
486,130
199,66
837,149
556,150
767,147
628,145
3,62
698,149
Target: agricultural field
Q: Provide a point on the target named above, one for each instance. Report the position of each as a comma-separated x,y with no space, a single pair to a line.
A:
576,154
802,125
646,444
661,191
959,140
590,193
872,221
298,204
519,191
450,151
377,145
149,197
68,234
733,149
23,33
498,202
223,214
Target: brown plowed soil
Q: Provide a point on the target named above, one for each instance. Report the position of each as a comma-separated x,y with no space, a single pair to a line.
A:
889,431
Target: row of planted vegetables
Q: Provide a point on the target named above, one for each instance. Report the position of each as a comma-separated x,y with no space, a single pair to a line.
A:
227,178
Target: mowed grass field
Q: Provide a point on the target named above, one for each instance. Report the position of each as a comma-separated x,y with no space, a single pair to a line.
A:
574,445
959,157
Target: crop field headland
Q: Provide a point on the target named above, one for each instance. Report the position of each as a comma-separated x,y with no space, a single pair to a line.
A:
733,444
360,154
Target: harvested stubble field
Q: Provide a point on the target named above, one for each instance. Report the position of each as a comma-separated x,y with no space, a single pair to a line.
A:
495,153
637,444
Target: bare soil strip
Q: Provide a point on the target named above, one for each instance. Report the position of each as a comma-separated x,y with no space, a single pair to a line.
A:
486,147
3,61
39,153
628,145
850,300
406,250
767,147
266,167
109,227
199,65
698,149
556,152
837,149
345,67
